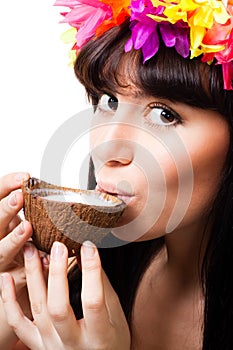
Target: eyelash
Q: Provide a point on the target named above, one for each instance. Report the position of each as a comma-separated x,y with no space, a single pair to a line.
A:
98,105
161,106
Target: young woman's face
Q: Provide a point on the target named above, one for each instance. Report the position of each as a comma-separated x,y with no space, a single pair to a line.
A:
164,159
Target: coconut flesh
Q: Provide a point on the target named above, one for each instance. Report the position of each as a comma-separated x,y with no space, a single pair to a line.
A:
91,198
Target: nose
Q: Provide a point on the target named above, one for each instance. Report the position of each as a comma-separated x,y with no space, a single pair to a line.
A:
112,145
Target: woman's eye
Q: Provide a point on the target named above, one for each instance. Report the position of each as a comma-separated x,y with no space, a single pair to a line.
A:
162,116
108,103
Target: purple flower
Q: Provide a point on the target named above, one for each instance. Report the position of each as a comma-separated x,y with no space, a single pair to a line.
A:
145,31
176,35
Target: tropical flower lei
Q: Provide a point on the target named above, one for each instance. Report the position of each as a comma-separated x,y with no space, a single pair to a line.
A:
192,27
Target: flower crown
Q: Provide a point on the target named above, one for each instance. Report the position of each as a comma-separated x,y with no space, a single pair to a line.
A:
192,27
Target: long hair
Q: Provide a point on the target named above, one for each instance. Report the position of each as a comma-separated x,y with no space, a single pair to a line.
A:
103,66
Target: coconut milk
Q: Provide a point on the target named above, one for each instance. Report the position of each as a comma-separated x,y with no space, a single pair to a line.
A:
75,197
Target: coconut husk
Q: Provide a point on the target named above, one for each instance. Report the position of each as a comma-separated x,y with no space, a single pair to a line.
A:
68,222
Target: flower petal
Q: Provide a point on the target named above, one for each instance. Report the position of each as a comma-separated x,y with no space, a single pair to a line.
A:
227,70
167,33
129,45
140,34
151,46
87,30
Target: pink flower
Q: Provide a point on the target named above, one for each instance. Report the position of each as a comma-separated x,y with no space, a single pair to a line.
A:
86,16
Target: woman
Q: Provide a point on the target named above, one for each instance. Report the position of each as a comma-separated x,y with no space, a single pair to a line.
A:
162,133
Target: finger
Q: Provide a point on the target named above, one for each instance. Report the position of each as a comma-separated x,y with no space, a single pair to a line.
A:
9,207
59,308
14,222
23,327
13,242
112,300
116,315
37,292
11,182
18,275
95,312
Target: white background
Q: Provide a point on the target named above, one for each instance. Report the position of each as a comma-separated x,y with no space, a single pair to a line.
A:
38,89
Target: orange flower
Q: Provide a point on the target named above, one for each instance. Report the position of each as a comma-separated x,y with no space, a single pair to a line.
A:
120,11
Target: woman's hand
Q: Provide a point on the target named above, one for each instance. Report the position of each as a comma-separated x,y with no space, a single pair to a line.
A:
104,325
13,235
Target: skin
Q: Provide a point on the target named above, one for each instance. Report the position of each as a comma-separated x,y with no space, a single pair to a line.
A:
124,139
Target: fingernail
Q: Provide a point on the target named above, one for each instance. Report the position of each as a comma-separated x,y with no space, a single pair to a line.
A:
20,229
21,176
12,202
88,249
57,250
29,250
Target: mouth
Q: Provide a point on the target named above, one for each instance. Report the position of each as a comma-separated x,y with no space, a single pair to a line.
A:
113,191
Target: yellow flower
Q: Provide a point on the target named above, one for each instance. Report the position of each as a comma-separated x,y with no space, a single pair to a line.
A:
205,49
68,37
200,15
195,12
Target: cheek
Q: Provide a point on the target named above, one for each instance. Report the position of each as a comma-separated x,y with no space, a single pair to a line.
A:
156,188
192,179
96,136
208,152
208,167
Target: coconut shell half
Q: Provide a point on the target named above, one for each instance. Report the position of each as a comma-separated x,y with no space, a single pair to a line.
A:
68,215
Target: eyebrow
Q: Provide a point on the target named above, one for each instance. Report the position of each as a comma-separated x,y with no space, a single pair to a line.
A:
127,91
136,93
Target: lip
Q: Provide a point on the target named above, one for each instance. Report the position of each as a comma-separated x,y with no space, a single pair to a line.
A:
112,190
